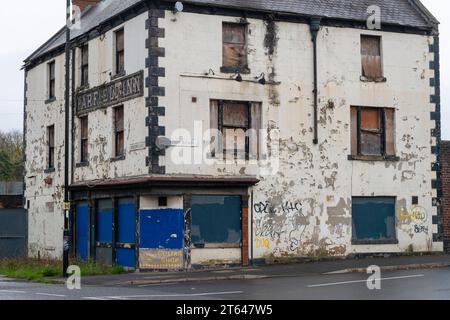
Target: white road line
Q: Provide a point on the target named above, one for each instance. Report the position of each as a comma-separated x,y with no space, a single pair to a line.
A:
51,295
11,291
156,285
94,298
165,295
360,281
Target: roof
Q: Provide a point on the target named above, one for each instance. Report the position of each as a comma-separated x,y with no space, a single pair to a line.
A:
407,13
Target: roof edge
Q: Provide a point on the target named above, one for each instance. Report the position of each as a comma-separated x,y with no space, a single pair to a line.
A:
425,13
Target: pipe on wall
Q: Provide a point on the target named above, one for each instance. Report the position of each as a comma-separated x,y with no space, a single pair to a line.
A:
314,26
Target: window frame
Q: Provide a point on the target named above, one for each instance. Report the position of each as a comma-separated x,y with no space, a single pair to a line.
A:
241,68
51,83
383,156
119,69
84,74
84,140
119,132
51,147
221,127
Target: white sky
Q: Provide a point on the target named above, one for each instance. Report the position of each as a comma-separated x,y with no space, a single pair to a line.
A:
26,24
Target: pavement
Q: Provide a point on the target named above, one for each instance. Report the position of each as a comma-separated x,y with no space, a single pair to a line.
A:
387,263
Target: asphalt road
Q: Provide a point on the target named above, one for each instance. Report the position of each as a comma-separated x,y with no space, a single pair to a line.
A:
397,285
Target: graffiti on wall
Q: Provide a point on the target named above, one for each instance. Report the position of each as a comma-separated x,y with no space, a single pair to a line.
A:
284,222
416,217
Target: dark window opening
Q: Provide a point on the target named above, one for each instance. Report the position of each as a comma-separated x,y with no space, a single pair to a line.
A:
51,146
238,127
216,220
162,201
85,65
120,52
51,80
373,219
84,130
119,131
234,47
371,57
373,132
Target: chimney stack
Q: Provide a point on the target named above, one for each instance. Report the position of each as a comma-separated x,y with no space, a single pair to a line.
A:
83,4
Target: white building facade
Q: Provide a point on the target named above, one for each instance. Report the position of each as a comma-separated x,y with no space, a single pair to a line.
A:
219,134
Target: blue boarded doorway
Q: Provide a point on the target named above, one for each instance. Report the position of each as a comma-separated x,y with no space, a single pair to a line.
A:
126,233
82,231
161,239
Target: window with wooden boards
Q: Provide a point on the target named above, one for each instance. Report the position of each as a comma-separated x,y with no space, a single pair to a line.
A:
234,47
373,132
371,57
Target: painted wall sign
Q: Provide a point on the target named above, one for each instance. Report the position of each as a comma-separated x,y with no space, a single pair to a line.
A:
161,259
115,92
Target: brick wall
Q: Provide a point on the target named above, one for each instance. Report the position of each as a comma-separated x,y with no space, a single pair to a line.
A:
445,163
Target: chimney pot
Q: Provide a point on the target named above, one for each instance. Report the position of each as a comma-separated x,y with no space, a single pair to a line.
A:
83,4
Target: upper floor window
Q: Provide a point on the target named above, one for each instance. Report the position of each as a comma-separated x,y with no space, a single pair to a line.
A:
51,80
84,139
373,131
120,51
371,57
234,47
51,147
238,125
85,65
119,132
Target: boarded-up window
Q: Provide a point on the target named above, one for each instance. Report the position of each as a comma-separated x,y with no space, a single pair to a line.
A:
119,130
373,219
238,125
216,221
120,51
234,46
371,57
51,146
51,80
84,65
373,131
84,129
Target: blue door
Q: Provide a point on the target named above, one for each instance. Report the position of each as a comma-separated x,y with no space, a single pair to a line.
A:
104,232
83,231
126,233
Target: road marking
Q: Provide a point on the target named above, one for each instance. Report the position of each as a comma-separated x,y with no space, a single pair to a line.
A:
156,285
11,291
51,295
95,298
360,281
165,295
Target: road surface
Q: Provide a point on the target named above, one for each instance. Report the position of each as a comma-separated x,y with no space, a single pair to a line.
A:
396,285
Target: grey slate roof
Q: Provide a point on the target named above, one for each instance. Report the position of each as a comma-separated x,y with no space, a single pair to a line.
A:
408,13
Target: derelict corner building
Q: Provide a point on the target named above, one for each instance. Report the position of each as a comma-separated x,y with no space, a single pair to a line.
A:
221,133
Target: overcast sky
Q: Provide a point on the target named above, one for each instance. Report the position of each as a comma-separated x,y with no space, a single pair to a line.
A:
26,24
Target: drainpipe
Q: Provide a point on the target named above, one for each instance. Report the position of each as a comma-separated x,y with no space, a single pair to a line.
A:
66,242
314,26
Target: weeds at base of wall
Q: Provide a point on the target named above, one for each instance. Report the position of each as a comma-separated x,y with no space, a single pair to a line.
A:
45,271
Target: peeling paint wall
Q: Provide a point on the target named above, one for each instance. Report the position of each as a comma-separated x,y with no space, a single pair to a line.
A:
45,222
45,214
305,209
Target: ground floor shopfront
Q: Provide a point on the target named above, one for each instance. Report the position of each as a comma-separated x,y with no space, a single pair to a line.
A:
169,224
